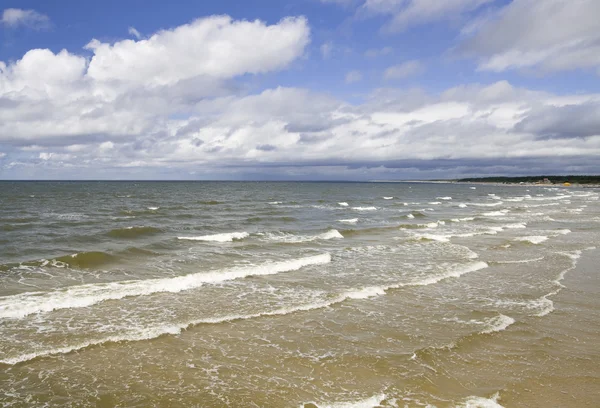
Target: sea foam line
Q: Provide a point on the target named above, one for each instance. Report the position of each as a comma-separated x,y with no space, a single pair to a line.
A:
149,333
21,305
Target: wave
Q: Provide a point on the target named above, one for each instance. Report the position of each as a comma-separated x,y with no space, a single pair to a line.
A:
500,213
82,260
349,221
224,237
343,204
487,204
497,324
154,332
410,216
21,305
132,232
444,198
388,198
371,402
365,208
535,239
479,402
462,205
294,239
435,203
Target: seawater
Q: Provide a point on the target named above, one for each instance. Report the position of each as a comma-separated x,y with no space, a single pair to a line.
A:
296,294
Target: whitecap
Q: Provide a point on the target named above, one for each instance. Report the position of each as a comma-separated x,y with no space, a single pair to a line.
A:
225,237
498,323
349,221
535,239
21,305
343,204
364,208
479,402
496,213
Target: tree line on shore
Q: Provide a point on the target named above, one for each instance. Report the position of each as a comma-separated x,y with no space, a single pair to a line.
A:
535,179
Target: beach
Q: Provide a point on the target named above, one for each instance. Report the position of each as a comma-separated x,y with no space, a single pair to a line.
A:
298,294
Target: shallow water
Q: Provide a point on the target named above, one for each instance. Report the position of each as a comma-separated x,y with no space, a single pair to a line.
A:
297,294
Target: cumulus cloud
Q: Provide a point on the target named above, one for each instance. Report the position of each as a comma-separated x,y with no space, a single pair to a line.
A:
218,47
125,112
119,92
404,70
14,17
549,35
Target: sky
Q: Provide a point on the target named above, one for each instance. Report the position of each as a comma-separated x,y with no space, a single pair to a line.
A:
298,89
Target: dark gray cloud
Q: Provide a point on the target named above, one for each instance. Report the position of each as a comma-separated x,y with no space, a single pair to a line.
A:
563,122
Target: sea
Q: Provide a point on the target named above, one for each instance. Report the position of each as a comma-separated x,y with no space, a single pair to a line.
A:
298,294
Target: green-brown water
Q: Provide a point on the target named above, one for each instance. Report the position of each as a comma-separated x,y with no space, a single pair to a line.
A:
298,294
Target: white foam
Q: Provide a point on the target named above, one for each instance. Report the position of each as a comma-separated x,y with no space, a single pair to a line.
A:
364,208
153,332
294,239
365,293
410,216
435,203
515,226
350,221
479,402
434,237
371,402
331,234
534,239
388,198
473,188
275,202
444,198
21,305
343,204
487,204
153,208
455,273
225,237
522,261
462,205
496,213
498,323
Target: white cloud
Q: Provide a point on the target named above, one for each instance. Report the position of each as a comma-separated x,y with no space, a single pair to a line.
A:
132,31
129,88
216,46
64,115
404,70
549,35
353,76
14,17
407,13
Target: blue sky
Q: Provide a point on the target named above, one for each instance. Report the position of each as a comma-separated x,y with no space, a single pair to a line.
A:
298,89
